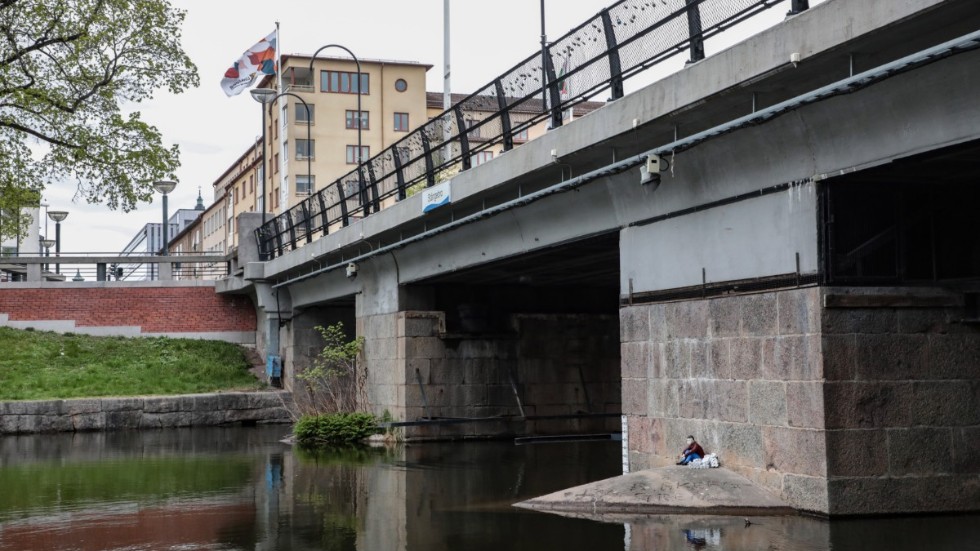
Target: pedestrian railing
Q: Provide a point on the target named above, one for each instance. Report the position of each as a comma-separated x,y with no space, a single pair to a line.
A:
619,42
90,266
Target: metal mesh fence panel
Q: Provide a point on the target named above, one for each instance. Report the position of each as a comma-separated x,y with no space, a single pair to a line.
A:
620,42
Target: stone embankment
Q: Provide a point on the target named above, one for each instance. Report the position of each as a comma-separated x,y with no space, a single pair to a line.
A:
143,412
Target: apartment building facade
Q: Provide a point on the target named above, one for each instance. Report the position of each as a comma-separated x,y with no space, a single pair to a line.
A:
392,103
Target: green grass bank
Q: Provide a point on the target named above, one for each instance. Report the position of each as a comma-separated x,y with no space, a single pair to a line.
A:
38,365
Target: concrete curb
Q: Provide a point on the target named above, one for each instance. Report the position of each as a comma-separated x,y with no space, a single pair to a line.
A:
140,412
667,490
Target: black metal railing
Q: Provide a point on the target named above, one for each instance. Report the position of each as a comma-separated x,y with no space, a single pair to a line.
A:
619,42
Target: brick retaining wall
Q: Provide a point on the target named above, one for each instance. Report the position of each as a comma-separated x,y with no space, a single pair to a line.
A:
171,309
142,412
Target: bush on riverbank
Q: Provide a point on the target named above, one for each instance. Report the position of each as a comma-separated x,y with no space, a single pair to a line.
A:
335,428
38,365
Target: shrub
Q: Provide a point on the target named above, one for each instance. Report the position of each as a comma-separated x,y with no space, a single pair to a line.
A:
332,382
335,428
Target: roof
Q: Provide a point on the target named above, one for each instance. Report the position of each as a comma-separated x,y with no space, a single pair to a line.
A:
287,57
433,100
231,168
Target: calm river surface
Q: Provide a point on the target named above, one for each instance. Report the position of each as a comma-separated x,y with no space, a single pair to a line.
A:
240,489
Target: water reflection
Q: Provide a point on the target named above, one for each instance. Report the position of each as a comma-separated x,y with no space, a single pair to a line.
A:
241,489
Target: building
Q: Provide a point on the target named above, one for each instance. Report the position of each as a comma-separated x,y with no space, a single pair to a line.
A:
236,191
148,241
519,115
393,102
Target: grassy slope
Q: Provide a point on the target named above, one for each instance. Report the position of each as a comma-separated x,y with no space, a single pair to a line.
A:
40,365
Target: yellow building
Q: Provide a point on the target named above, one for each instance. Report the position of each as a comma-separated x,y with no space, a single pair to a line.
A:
236,191
393,102
518,115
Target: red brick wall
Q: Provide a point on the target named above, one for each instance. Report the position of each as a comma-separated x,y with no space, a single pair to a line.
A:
154,309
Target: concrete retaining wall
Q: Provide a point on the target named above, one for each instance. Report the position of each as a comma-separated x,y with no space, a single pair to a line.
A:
88,414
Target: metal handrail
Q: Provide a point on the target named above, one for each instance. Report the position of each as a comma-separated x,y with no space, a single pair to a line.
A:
618,43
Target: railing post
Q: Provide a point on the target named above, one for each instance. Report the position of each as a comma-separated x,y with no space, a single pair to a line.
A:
325,228
33,272
166,271
292,229
306,222
373,183
615,68
362,196
464,137
798,7
399,174
279,246
430,174
554,92
344,217
504,115
694,30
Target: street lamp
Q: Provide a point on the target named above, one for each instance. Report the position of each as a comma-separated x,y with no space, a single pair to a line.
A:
263,96
164,187
267,96
360,160
47,244
58,216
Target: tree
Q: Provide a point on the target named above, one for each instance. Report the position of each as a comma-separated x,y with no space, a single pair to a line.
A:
67,70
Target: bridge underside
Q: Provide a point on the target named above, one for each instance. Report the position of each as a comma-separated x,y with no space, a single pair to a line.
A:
800,293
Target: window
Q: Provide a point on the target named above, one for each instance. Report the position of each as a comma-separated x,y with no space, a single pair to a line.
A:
298,77
475,132
401,122
275,164
285,115
339,82
352,154
481,157
351,120
305,148
520,136
304,184
300,112
401,85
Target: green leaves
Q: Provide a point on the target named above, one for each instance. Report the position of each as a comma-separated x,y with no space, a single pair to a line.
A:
67,67
335,428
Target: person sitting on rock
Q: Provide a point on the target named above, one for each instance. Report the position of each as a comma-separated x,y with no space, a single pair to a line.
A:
691,452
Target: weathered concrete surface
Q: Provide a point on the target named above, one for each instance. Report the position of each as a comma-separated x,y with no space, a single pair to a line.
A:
665,490
142,412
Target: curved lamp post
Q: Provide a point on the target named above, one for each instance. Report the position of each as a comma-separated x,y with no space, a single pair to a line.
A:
47,244
267,96
360,160
58,216
260,95
165,187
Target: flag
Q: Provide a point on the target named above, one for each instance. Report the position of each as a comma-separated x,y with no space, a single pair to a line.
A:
562,80
257,60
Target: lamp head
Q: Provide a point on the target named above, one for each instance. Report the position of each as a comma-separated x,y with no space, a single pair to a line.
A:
164,186
47,243
263,95
57,215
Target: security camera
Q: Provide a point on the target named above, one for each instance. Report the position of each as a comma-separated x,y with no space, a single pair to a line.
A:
352,270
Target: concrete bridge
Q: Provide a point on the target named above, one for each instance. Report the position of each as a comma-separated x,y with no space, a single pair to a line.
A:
799,290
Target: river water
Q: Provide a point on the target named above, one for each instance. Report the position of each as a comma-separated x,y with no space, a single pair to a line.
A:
241,489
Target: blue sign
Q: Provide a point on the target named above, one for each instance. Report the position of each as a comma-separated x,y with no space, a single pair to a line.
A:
436,196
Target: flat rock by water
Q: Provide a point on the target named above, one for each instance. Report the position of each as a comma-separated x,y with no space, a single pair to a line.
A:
665,490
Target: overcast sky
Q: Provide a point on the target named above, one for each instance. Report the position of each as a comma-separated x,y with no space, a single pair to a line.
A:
212,130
